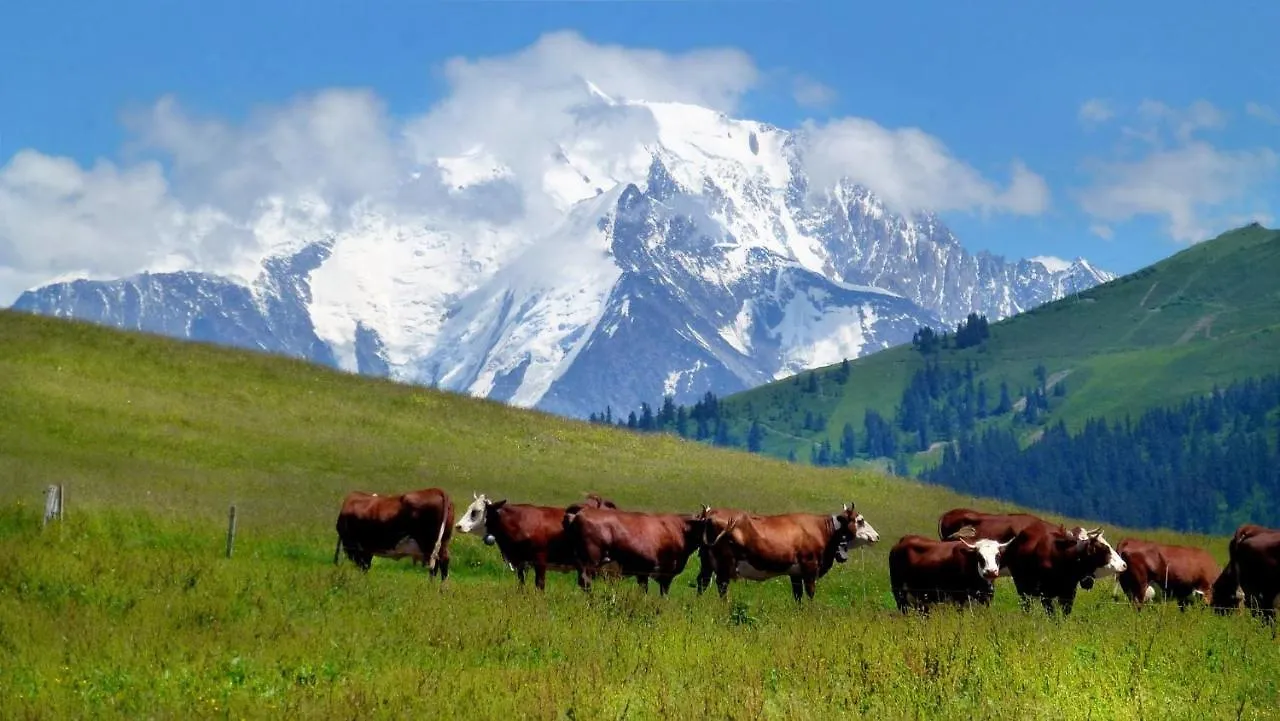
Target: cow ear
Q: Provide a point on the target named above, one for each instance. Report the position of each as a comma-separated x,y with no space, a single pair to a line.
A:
498,504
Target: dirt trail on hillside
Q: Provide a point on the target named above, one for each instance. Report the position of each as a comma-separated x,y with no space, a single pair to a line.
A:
1143,303
1205,323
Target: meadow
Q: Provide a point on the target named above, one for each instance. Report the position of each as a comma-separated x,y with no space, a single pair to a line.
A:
128,607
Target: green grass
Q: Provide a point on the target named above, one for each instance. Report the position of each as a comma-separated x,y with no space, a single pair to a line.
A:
1124,345
127,608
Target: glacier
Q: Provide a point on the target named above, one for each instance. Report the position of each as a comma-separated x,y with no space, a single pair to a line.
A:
695,258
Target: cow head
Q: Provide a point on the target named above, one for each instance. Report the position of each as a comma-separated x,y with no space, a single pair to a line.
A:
989,554
474,519
852,531
1096,553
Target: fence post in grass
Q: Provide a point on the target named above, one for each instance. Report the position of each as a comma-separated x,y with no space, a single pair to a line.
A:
231,530
52,504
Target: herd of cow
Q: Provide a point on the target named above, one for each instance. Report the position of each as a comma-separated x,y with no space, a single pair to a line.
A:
1045,560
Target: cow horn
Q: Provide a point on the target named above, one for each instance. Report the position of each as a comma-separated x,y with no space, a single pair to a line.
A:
728,527
1005,544
970,545
474,496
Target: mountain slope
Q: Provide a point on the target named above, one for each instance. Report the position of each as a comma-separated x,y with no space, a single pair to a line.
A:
697,244
1207,315
131,420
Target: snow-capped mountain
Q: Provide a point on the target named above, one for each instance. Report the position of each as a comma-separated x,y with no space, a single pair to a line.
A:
696,258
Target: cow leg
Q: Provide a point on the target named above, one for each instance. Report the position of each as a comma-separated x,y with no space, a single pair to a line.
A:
704,570
540,576
664,584
900,598
643,581
796,588
722,584
442,565
519,573
809,586
1047,601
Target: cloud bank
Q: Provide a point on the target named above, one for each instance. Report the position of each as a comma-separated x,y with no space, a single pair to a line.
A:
193,192
1193,187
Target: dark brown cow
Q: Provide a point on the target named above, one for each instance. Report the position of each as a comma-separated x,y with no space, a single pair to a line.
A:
923,571
1180,572
526,535
395,527
803,546
1253,571
644,545
1000,527
1049,563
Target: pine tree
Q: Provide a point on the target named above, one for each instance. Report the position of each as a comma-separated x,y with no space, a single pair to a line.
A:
646,418
631,420
755,437
848,443
812,387
1005,405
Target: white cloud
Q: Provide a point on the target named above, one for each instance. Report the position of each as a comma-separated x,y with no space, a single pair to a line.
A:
1095,110
1262,112
191,192
1102,231
912,170
1183,123
810,93
1179,185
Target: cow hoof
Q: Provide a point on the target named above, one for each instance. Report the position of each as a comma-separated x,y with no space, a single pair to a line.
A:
489,540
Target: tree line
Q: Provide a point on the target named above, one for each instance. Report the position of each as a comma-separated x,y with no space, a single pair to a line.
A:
1204,465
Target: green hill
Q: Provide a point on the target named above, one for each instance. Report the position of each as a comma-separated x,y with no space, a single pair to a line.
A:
127,607
1207,315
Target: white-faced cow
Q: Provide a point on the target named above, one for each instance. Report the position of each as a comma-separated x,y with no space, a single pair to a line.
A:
643,545
1000,527
1252,573
803,546
923,571
1050,564
527,536
396,527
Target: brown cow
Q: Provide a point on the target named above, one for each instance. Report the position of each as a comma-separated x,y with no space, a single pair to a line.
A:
923,571
395,527
803,546
1000,527
1049,563
1253,571
643,545
1179,572
526,535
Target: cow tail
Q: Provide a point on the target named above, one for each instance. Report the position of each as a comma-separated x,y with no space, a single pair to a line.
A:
444,520
337,551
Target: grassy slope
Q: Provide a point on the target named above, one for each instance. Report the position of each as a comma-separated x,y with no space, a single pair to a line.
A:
127,607
1125,345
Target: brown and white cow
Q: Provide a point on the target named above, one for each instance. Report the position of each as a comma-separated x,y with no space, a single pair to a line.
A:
396,527
1049,563
1180,572
526,535
803,546
1000,527
923,571
643,545
1252,573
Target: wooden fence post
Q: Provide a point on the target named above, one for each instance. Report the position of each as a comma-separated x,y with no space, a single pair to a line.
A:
231,530
52,504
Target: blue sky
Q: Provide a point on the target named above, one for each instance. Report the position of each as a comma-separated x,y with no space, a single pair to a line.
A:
1151,124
